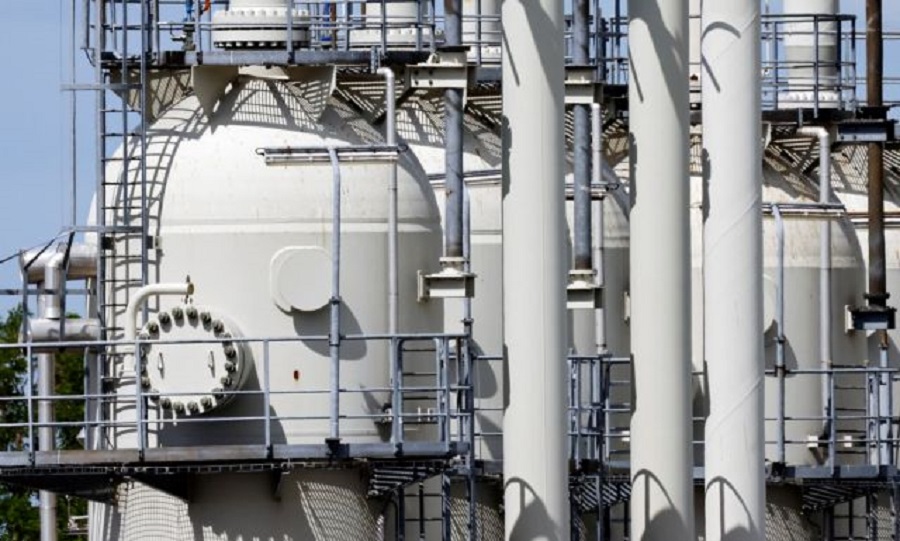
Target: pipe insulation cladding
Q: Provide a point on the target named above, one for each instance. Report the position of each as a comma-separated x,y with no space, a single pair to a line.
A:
662,482
534,264
732,261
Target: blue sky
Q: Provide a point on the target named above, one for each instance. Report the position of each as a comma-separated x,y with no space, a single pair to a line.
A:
35,122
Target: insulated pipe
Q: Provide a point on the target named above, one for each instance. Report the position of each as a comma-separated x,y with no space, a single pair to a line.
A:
50,310
732,271
82,262
142,294
453,142
825,353
662,482
46,443
582,144
390,107
73,330
536,475
53,285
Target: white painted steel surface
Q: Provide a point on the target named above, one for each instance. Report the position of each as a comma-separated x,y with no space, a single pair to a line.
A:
221,216
662,482
732,271
534,266
809,40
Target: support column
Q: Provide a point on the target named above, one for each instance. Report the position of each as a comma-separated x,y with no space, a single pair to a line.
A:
535,465
661,427
732,263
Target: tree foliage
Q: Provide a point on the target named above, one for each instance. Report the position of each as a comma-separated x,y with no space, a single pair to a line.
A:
19,512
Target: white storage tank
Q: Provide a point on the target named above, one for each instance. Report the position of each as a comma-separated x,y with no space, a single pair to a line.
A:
255,239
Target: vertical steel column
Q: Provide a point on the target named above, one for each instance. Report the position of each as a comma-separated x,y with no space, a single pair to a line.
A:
534,271
581,143
453,140
662,483
732,268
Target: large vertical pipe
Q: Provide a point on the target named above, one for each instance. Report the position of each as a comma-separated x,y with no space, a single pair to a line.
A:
534,312
875,98
453,141
50,308
582,144
662,483
46,441
878,295
732,263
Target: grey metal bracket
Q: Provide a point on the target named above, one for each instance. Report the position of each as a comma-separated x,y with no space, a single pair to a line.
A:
866,131
870,318
452,282
582,87
446,68
583,293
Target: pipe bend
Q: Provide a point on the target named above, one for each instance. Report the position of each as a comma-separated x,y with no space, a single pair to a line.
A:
53,281
142,294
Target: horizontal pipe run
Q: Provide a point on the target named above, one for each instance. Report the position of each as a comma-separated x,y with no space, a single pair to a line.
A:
82,262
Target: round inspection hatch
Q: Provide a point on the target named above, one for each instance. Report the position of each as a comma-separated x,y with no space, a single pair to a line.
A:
300,278
190,365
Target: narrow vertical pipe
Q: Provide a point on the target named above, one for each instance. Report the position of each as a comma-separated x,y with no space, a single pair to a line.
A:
100,199
596,174
144,123
453,140
73,102
534,271
732,263
581,143
885,409
334,337
825,326
662,483
390,106
780,368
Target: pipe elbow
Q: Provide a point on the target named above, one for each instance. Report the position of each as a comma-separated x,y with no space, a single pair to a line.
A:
143,293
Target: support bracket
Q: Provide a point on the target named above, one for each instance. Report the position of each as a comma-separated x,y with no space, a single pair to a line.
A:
582,87
871,318
452,282
446,68
866,131
583,293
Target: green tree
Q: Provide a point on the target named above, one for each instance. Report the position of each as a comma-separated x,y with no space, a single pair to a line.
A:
19,513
